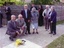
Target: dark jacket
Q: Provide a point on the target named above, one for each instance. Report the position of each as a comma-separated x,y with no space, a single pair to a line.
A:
8,11
1,15
53,16
28,15
11,27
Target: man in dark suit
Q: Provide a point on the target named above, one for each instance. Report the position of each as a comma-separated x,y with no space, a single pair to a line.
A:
1,16
12,28
8,12
53,21
27,17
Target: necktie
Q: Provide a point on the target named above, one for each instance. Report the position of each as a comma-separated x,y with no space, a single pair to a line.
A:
14,24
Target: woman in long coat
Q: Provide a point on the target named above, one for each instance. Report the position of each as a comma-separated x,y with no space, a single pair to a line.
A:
40,19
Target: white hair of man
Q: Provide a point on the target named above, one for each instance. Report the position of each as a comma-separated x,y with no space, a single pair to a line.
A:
13,16
20,15
52,7
25,5
47,6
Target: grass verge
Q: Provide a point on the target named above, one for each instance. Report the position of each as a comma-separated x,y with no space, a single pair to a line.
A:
58,43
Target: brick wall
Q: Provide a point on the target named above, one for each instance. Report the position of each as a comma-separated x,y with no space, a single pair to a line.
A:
17,9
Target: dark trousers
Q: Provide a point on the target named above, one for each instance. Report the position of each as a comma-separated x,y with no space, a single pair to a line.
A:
13,35
53,28
28,26
46,23
40,21
0,22
8,17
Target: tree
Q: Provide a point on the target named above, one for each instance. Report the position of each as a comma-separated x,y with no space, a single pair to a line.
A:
42,1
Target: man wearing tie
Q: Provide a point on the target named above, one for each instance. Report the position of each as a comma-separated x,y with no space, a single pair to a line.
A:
27,17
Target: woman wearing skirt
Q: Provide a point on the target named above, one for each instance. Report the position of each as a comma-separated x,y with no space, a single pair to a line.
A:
34,20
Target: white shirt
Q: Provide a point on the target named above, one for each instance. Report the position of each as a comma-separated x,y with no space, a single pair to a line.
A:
46,12
26,12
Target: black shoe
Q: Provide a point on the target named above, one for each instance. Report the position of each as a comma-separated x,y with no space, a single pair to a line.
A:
54,34
50,33
37,33
33,33
26,33
14,37
11,39
29,33
1,26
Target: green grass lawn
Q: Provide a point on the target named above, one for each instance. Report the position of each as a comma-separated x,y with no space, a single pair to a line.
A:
60,22
58,43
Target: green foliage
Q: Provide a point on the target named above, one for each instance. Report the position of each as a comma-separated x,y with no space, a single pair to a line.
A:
42,2
20,2
58,0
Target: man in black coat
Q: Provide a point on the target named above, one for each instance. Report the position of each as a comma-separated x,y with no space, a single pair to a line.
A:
27,17
1,16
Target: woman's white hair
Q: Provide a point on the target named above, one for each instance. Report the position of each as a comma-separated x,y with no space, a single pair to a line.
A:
33,9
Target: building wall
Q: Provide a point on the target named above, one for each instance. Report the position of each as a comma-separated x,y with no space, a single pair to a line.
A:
27,1
17,10
62,1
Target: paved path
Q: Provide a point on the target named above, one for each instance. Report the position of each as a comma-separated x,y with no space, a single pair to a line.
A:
42,39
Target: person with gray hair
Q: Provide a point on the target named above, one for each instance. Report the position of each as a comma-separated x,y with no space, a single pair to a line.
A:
12,28
46,16
53,15
34,20
27,17
21,24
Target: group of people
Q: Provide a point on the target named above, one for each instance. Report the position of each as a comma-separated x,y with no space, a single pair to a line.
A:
7,12
49,15
22,24
34,17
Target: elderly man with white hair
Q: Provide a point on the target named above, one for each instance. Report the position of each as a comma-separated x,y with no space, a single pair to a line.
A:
46,16
27,17
21,24
53,15
12,28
